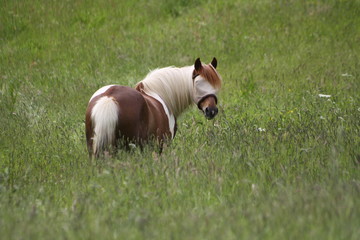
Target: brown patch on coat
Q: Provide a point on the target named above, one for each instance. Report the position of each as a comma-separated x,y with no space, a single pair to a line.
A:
141,118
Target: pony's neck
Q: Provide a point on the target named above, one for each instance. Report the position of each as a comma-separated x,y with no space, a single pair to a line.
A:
173,85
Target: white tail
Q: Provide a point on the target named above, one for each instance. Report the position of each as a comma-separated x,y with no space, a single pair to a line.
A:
104,116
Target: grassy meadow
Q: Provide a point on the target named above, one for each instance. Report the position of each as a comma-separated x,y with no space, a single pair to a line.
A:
280,161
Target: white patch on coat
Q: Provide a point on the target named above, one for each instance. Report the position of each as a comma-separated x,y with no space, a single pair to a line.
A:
170,116
100,91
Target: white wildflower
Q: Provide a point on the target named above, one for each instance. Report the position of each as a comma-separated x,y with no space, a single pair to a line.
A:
261,129
324,96
132,146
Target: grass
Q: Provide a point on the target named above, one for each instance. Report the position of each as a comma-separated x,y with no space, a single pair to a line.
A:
278,162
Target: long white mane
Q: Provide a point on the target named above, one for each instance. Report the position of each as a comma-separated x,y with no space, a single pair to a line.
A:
174,85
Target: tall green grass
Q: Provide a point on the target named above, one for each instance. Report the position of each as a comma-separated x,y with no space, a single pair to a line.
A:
278,162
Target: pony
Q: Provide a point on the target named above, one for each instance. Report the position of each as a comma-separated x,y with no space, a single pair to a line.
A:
120,116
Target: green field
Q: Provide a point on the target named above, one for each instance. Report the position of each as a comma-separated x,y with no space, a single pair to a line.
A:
279,161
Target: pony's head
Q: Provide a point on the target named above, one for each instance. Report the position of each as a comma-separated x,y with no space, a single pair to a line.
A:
207,83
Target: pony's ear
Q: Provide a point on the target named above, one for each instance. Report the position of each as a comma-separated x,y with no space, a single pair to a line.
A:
214,62
197,64
139,87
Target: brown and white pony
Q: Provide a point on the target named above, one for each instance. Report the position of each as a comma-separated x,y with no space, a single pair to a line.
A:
117,116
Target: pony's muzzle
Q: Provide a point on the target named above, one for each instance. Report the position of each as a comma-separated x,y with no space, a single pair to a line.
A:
211,112
208,106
